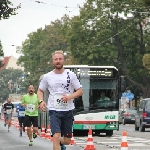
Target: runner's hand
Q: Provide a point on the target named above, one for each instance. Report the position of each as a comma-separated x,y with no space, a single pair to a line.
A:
24,105
65,98
42,106
37,106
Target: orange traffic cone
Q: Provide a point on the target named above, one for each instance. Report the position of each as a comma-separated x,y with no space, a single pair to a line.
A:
2,117
12,122
72,140
42,134
48,135
124,144
90,145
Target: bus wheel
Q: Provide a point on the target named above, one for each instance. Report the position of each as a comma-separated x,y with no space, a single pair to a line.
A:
109,133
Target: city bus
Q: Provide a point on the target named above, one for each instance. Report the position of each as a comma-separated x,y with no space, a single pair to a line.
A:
92,109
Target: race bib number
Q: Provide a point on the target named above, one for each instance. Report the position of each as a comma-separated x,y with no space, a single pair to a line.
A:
60,104
30,108
9,111
21,113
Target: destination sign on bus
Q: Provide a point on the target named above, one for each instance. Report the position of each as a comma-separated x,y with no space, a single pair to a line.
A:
100,73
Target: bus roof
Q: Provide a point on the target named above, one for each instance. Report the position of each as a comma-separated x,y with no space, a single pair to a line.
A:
86,66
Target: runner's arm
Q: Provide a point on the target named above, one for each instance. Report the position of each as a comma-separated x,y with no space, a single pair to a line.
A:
42,104
40,94
12,107
76,94
4,108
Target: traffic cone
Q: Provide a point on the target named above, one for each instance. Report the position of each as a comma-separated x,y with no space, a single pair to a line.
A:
3,117
90,144
12,122
72,140
42,134
48,135
124,144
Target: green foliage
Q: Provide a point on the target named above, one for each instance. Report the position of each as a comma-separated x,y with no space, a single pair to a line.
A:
146,61
1,54
38,48
9,79
6,9
98,36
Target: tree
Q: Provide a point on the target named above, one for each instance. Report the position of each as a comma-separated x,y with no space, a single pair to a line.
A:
146,61
1,54
38,48
9,80
100,36
147,2
6,10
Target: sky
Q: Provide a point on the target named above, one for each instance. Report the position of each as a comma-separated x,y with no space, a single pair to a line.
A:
32,16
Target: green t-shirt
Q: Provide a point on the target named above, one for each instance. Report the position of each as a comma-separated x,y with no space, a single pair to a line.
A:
31,101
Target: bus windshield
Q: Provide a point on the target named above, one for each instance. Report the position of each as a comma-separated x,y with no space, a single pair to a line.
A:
100,88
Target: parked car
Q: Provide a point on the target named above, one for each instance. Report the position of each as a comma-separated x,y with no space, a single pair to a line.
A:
142,118
127,116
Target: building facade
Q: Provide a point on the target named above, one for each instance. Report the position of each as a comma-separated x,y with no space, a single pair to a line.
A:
10,62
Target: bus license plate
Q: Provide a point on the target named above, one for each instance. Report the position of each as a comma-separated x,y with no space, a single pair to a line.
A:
88,126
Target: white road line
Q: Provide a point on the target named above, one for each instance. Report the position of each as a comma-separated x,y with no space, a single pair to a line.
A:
107,142
143,141
134,144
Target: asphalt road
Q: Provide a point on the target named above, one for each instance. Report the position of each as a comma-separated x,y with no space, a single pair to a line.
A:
136,140
12,141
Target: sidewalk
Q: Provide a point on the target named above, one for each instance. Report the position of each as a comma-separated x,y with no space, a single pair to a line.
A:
11,140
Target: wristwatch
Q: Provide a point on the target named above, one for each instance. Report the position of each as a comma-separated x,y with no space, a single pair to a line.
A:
40,101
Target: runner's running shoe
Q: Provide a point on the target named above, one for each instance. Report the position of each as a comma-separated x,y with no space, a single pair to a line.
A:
20,134
31,143
34,135
63,147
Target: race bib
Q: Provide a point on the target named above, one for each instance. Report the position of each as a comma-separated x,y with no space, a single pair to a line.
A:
30,108
21,113
60,104
9,111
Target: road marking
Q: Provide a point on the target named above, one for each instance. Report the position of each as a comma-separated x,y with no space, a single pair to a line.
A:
107,142
115,141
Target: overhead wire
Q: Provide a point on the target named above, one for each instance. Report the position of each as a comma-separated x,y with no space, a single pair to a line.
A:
115,35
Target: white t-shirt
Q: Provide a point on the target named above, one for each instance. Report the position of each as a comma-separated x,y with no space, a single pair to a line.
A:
58,85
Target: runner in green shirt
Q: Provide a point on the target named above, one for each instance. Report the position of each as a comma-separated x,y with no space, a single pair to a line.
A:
30,102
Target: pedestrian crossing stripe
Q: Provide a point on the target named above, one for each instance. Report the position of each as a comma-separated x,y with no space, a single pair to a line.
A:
115,141
106,142
133,144
148,141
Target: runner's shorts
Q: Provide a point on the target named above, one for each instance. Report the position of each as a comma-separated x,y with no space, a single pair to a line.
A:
21,121
30,120
61,122
7,116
